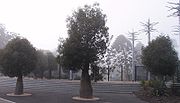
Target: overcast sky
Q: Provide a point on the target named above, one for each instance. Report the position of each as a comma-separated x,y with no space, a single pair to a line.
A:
42,22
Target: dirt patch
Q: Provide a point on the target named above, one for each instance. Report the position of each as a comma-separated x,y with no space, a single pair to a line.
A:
146,95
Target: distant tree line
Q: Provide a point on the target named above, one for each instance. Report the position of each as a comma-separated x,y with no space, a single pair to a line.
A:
45,65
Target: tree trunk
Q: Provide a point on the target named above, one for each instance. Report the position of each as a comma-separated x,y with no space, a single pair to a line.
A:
50,71
19,85
59,69
122,73
95,77
41,74
86,87
108,73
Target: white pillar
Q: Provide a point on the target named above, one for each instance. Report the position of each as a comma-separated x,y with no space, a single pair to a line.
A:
70,75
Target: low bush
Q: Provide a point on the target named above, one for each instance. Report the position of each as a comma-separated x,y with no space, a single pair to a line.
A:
157,87
145,84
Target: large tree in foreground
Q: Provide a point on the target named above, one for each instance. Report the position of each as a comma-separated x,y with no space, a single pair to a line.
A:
17,60
87,41
160,57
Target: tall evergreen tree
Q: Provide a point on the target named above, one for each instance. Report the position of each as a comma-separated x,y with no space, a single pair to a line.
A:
17,60
160,57
87,42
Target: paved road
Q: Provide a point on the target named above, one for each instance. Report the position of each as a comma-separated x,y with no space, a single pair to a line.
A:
69,86
61,91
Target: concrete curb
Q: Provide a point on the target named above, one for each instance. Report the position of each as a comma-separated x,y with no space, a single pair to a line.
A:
85,99
21,95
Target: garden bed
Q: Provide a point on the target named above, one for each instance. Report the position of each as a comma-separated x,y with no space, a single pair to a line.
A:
146,95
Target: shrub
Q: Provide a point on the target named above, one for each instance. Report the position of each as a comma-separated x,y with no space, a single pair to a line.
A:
159,88
145,84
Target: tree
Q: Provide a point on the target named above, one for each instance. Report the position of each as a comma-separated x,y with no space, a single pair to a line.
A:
46,61
149,28
120,43
159,57
87,42
59,56
107,62
97,72
41,64
122,49
138,53
18,59
52,64
1,52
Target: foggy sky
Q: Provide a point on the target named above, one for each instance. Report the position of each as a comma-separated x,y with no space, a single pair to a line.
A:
42,22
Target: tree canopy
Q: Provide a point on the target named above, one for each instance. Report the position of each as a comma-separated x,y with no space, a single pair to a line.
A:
159,57
88,36
41,64
122,43
52,63
18,58
122,57
87,42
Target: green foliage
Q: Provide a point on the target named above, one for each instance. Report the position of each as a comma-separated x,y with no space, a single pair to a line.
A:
122,43
97,74
41,64
178,73
60,51
159,57
155,83
18,58
88,37
46,63
87,42
156,87
1,52
122,51
52,64
145,84
159,88
142,82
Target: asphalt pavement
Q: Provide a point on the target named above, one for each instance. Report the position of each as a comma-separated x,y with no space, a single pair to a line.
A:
62,91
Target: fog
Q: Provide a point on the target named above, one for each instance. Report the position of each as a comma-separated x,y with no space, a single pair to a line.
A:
44,21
